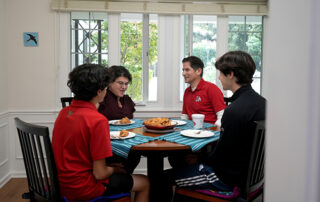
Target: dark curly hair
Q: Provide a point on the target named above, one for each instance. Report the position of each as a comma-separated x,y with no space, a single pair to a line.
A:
238,62
85,80
195,63
117,71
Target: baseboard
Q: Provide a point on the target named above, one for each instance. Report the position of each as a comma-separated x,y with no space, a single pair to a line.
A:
4,180
18,175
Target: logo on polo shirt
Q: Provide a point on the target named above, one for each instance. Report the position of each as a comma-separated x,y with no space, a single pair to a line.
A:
198,98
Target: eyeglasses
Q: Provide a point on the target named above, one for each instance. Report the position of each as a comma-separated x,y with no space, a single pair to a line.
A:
120,83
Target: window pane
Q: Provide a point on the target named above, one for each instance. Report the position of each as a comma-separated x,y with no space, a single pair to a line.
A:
131,51
236,23
89,38
245,33
204,43
204,35
153,57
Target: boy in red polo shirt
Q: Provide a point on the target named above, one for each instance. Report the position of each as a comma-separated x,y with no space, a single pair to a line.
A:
81,143
201,97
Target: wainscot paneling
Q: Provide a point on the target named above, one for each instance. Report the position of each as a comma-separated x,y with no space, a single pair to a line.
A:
4,149
43,118
11,160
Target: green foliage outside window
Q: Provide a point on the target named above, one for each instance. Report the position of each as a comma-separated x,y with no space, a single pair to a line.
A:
131,54
248,39
204,39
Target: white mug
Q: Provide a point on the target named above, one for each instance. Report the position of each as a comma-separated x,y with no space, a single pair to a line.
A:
197,120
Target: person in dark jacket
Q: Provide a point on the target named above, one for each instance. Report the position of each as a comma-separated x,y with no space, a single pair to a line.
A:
226,166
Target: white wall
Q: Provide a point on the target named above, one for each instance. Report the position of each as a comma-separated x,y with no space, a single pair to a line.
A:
31,69
291,85
3,69
4,126
27,76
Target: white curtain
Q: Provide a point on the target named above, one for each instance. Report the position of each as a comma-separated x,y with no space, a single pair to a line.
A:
182,7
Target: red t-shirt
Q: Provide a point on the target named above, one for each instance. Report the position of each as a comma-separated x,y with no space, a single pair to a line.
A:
206,99
80,136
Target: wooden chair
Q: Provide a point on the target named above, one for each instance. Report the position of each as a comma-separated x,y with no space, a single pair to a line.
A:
255,176
40,165
66,101
39,162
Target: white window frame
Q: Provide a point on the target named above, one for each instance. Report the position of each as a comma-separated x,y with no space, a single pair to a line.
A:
169,60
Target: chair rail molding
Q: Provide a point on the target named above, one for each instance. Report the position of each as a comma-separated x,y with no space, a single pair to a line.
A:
11,163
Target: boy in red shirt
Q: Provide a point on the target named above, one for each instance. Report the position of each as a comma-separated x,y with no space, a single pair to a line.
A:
81,143
201,97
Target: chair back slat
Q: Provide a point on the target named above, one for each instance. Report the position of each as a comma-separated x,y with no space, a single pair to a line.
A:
257,159
25,153
39,161
32,167
43,165
66,101
35,148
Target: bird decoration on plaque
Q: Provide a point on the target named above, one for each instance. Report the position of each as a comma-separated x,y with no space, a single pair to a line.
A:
31,39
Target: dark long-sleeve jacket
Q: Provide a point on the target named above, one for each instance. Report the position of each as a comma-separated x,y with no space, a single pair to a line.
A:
230,158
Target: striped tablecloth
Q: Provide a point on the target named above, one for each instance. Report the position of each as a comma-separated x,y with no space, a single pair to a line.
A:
122,147
195,143
137,124
189,125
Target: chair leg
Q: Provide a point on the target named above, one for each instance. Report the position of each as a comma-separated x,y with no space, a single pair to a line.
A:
26,195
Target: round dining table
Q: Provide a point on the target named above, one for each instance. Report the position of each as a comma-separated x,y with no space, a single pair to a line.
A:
155,152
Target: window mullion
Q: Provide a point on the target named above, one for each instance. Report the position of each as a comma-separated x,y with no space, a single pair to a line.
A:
114,39
145,57
222,43
190,19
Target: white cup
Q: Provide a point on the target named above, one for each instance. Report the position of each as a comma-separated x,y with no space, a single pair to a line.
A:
197,120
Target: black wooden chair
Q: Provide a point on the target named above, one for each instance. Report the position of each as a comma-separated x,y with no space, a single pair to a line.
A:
39,162
41,168
66,101
255,177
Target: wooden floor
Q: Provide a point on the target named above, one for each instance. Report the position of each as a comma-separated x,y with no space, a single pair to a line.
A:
13,190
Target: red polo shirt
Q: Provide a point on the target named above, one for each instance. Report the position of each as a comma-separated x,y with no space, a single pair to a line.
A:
206,99
80,136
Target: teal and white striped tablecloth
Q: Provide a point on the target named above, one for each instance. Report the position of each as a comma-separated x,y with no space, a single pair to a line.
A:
195,143
122,147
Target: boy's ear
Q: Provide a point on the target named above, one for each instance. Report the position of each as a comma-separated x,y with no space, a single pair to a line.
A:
230,75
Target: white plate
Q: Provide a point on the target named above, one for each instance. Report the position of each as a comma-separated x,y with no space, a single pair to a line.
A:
117,123
115,135
178,122
197,133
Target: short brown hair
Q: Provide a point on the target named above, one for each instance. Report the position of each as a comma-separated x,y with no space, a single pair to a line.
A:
238,62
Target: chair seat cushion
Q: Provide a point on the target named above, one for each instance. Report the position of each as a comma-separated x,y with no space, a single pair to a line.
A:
221,194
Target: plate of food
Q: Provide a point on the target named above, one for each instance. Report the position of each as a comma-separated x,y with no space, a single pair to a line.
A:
179,122
121,122
124,134
159,123
197,133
